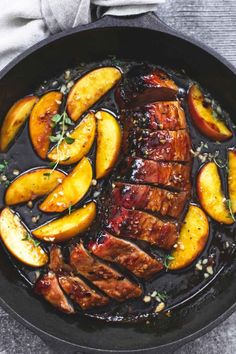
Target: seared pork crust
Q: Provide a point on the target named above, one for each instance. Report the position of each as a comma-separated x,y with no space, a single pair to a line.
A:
107,279
126,254
137,224
144,197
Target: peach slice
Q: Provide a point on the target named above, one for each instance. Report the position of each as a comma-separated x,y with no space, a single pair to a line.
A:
68,226
205,118
89,89
71,190
14,120
40,122
108,143
32,184
18,241
210,195
192,238
232,179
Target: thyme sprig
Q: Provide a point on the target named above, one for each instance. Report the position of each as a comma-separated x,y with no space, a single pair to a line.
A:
229,205
166,260
3,166
29,238
63,120
162,296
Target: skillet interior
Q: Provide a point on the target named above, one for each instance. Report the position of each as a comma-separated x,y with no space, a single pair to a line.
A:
128,43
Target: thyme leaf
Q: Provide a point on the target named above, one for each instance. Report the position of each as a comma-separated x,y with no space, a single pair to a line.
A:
229,205
56,118
167,259
69,140
3,166
29,238
162,296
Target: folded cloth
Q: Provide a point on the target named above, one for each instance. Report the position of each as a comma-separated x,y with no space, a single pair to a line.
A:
26,22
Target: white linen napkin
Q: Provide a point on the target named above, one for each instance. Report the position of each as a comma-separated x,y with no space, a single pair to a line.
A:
26,22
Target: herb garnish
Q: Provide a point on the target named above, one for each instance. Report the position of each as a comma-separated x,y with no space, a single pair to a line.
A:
7,183
3,166
162,296
29,238
229,205
63,120
69,140
219,162
167,259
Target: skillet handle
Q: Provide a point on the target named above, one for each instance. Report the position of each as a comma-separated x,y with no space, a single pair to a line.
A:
148,20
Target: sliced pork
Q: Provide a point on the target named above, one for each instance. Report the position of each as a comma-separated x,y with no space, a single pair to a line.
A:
48,286
126,254
57,264
167,115
162,145
73,286
166,174
107,279
81,293
136,224
144,197
144,84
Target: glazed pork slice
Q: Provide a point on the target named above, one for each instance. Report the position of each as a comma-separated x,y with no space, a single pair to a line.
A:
165,174
81,293
126,254
73,286
107,279
156,116
56,263
48,286
162,145
144,197
143,84
137,224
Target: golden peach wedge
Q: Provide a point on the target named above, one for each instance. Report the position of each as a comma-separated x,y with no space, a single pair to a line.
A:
108,143
68,226
192,238
33,184
18,241
89,89
40,122
210,194
71,190
205,118
14,120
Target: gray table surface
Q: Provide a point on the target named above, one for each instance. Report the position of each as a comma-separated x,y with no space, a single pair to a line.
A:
213,22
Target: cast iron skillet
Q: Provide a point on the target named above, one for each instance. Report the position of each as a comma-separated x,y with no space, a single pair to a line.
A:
140,38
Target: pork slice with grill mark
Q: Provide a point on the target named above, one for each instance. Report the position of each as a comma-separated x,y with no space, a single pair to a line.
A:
48,286
166,174
57,264
149,198
81,293
73,286
167,115
126,254
107,279
144,84
161,145
137,224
